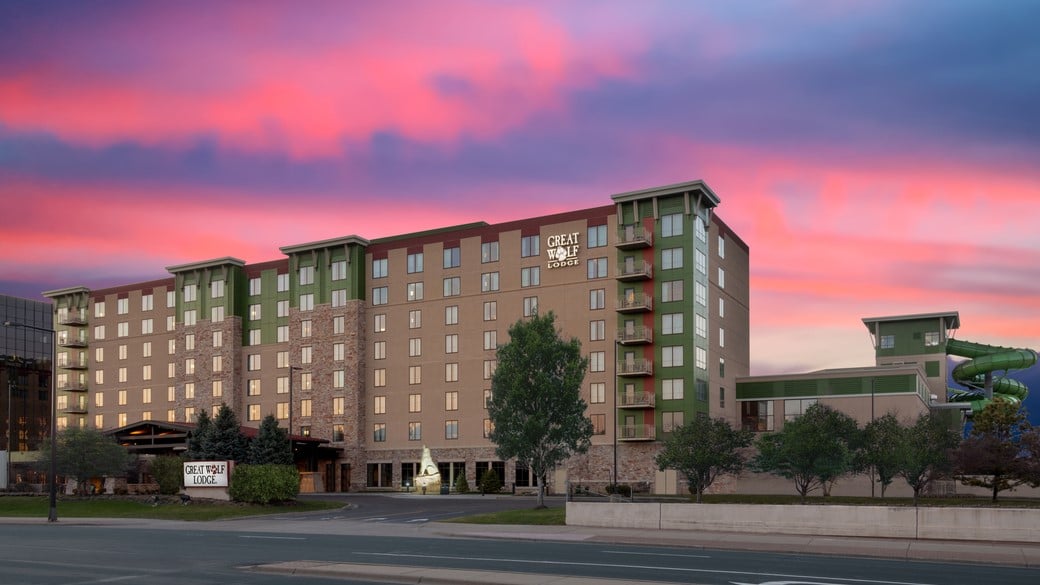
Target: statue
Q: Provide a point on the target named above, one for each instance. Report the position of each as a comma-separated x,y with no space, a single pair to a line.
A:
429,476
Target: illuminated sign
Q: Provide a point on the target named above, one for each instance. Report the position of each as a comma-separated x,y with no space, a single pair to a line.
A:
205,474
562,250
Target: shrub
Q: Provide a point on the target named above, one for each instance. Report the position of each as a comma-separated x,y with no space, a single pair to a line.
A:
168,472
489,482
620,489
263,484
461,484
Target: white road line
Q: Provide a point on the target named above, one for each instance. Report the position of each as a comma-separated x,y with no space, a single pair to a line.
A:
625,552
642,567
272,537
419,520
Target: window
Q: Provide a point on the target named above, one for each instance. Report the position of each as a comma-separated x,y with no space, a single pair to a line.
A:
307,302
530,306
701,357
529,246
597,268
379,323
597,330
147,326
122,329
722,337
888,341
379,377
530,276
700,293
487,398
216,314
379,295
414,375
671,225
931,338
218,363
415,403
379,432
451,429
283,283
283,308
490,339
489,252
254,312
700,261
146,396
338,325
672,323
306,354
171,323
489,368
451,343
451,372
489,427
254,286
306,275
722,277
121,397
451,400
217,388
671,420
415,319
379,350
415,263
490,310
597,361
122,352
305,407
338,432
253,388
722,307
306,328
415,291
99,309
171,394
339,378
216,289
254,412
339,298
415,431
700,228
597,298
599,424
190,293
189,366
379,405
700,325
796,408
146,349
338,352
671,258
339,270
722,367
489,282
597,393
189,390
283,333
306,379
722,247
122,306
253,362
452,257
171,346
451,315
672,356
452,286
597,236
672,389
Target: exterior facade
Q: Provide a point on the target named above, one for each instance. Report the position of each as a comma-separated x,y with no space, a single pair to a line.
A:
26,357
381,347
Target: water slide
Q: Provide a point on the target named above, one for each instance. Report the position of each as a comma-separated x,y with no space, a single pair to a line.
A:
983,361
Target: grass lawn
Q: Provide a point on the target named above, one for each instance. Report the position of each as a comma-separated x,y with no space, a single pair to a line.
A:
125,507
545,516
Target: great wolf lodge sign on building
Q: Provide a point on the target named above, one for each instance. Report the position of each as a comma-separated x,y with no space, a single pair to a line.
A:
562,250
205,474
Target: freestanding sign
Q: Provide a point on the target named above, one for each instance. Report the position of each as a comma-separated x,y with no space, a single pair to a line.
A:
206,473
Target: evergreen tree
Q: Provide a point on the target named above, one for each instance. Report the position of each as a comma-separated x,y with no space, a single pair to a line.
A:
536,406
271,444
227,441
199,439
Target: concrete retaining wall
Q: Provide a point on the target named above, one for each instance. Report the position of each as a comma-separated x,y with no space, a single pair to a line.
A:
993,524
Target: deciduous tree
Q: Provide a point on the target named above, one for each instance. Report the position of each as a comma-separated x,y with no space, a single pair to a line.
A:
703,449
85,453
990,457
884,443
926,452
536,405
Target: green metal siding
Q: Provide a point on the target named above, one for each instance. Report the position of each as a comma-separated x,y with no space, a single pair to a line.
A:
909,337
769,389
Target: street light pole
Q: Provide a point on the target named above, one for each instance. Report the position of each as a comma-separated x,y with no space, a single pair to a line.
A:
52,513
292,458
614,480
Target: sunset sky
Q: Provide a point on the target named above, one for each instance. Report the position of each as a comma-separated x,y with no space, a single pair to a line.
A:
878,157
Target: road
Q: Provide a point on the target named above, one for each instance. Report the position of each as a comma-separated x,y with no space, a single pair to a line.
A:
382,531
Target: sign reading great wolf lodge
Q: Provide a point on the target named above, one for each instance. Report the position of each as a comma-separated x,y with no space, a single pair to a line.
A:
562,250
205,474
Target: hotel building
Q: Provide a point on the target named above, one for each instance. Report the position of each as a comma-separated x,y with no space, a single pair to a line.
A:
367,350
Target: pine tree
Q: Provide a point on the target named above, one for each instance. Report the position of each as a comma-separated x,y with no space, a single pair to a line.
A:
271,444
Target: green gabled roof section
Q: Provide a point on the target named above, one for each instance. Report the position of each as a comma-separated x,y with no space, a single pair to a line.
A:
323,244
667,190
950,319
205,264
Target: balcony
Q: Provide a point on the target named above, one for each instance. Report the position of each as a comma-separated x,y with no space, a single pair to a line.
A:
77,407
639,367
65,340
640,400
633,237
636,336
638,303
73,318
73,387
72,365
629,271
637,433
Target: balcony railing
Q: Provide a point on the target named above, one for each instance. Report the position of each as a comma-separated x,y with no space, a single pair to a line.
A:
73,387
639,432
641,270
635,304
631,237
640,400
72,364
77,407
66,340
73,318
640,334
639,367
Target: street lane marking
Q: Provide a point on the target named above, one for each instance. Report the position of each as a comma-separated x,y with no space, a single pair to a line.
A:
419,520
625,552
641,567
273,537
